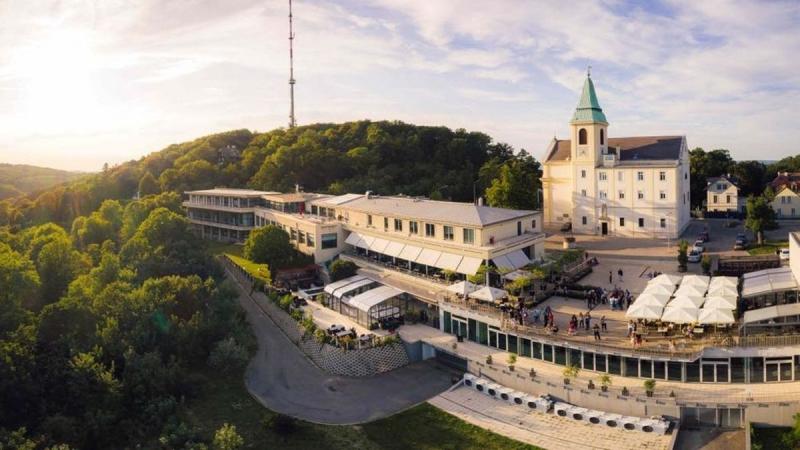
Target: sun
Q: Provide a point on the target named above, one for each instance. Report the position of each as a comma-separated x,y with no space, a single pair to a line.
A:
57,73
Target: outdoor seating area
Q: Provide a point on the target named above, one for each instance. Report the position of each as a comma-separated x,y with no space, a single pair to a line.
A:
350,339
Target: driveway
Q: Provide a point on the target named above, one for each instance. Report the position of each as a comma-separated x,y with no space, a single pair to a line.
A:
284,380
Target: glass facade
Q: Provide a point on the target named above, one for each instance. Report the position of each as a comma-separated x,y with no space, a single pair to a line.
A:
704,370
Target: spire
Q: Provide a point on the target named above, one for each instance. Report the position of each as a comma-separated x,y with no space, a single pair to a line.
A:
589,109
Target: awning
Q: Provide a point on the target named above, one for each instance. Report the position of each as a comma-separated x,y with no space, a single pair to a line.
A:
690,291
511,261
720,302
410,253
680,315
366,241
768,280
353,239
489,294
329,288
644,311
394,248
771,312
448,261
724,281
715,316
378,245
696,280
502,262
649,298
344,290
659,289
723,290
428,257
685,301
666,279
469,265
373,297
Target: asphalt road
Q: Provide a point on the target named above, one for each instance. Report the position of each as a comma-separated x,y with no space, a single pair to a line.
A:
285,381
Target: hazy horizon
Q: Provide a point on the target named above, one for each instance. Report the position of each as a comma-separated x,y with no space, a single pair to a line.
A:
86,82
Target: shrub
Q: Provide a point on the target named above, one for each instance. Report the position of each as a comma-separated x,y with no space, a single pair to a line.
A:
227,438
281,424
228,355
285,302
512,358
321,336
341,269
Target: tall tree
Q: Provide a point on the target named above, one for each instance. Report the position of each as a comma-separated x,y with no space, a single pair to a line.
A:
269,245
148,185
517,184
704,165
751,176
760,216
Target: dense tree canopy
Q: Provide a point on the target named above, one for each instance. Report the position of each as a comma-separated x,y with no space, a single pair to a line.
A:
704,165
760,216
270,245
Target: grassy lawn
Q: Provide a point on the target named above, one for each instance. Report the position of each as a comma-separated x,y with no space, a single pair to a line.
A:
768,248
225,399
256,270
219,248
769,438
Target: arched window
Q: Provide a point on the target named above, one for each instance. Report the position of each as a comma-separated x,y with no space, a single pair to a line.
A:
582,136
602,136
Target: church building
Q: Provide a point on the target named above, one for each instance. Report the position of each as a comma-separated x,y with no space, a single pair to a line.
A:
617,186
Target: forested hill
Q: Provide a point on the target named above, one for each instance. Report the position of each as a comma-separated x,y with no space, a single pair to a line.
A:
19,179
385,157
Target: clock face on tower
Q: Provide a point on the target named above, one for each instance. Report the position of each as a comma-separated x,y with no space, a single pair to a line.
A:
583,152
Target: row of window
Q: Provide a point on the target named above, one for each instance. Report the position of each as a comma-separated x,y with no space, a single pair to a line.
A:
448,231
662,222
662,195
227,202
221,217
328,240
786,200
603,176
727,199
705,370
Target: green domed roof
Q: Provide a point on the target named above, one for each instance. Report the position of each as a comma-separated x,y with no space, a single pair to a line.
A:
589,109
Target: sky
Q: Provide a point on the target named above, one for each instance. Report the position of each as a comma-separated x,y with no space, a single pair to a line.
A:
83,83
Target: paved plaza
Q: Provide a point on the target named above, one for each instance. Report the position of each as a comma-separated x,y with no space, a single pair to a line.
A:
543,430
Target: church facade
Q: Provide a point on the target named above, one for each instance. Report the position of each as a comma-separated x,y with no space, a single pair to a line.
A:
627,186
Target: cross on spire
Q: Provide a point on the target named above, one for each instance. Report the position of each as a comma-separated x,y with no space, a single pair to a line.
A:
589,71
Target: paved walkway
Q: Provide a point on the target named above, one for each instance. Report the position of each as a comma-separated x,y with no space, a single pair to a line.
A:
543,430
285,381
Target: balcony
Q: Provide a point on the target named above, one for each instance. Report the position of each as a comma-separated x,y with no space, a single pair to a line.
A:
609,159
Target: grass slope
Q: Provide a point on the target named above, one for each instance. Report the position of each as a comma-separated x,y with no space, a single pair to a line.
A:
224,398
17,179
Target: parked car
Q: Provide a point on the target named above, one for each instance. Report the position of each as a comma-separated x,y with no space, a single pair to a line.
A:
742,237
740,244
694,256
699,246
783,254
566,227
704,236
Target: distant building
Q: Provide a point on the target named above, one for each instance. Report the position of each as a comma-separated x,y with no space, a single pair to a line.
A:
786,179
228,154
722,195
786,203
631,186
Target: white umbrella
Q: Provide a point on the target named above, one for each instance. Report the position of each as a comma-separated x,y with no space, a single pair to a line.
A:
489,294
462,287
677,314
685,301
714,316
696,280
659,289
652,299
724,281
666,279
690,291
725,291
720,302
644,311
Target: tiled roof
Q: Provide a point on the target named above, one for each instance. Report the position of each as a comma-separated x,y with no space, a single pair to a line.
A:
434,210
639,148
730,180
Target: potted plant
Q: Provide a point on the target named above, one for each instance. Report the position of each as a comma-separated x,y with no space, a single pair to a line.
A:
649,387
605,382
512,359
625,391
672,394
532,373
489,359
455,345
591,384
570,372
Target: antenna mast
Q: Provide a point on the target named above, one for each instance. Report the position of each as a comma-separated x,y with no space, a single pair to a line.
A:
292,121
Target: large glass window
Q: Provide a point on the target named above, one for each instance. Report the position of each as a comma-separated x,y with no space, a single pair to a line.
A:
430,230
645,368
512,344
501,341
659,370
447,325
693,372
756,370
413,227
548,352
469,236
674,370
329,240
600,363
483,333
492,338
560,355
398,224
737,370
525,347
588,361
472,330
614,365
448,233
631,367
537,349
574,357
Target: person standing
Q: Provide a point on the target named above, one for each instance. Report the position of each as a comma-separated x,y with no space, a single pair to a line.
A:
596,329
603,325
619,272
580,320
610,277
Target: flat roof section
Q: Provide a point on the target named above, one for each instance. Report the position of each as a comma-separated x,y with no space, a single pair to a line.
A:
232,192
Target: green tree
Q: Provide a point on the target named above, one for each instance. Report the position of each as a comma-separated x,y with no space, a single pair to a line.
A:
20,285
517,184
704,165
341,269
227,438
148,185
269,245
58,264
683,257
760,216
751,176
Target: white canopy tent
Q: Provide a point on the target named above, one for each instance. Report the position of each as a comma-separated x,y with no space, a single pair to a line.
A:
489,294
685,301
644,311
716,316
768,280
372,297
652,299
696,280
677,314
723,290
724,281
659,289
331,287
666,279
463,288
720,302
690,291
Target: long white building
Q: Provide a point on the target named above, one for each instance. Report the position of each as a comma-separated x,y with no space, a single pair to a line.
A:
627,186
